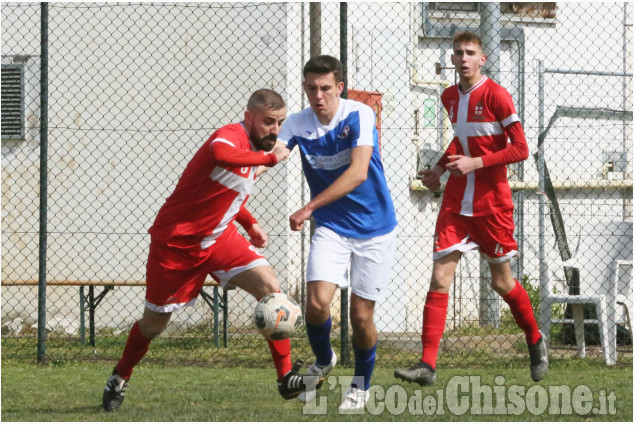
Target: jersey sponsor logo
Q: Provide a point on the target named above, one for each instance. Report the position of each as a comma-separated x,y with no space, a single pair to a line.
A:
345,132
451,112
331,162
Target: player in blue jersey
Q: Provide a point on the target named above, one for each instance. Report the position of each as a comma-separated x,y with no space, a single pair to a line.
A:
355,218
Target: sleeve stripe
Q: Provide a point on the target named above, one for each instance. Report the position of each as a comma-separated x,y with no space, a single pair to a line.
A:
510,119
218,139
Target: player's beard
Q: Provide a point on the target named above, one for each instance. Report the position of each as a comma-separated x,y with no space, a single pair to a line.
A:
265,143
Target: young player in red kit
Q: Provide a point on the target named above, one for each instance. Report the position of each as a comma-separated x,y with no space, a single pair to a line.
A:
477,208
194,235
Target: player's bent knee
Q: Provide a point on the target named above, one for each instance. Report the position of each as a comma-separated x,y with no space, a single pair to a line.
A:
271,286
441,281
150,327
440,285
317,306
316,312
258,281
502,287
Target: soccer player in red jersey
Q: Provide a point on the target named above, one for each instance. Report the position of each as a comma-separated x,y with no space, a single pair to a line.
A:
194,235
477,208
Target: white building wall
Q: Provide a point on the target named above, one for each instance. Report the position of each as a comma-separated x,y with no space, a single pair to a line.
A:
134,92
159,98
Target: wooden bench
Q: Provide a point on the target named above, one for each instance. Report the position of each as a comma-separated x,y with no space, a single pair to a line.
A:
89,302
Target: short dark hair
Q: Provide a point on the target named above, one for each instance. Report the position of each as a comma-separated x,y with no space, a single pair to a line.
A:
265,99
324,64
467,37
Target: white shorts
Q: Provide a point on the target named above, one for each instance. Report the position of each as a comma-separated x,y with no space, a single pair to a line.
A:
370,262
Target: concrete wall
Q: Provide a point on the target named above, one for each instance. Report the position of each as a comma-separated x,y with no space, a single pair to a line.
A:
134,92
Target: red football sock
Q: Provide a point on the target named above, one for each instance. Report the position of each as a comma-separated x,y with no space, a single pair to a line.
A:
520,306
136,347
281,354
434,315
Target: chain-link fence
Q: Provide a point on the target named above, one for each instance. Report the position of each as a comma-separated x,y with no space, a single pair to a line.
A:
135,88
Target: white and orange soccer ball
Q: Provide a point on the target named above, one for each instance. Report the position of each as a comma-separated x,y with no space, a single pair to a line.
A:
277,316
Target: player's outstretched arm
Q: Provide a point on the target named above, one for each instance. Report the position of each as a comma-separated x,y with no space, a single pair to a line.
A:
355,174
282,153
227,155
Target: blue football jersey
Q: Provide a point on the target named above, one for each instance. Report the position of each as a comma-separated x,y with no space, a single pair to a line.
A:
368,210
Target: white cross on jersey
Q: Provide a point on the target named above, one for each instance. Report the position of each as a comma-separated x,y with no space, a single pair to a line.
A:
464,129
241,184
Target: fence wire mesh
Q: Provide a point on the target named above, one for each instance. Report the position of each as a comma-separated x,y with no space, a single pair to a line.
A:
135,88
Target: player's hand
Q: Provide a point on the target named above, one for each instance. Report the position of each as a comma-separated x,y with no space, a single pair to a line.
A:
280,151
297,219
431,178
461,165
257,236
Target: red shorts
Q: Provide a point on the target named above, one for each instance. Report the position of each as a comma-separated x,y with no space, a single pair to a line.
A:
493,235
176,270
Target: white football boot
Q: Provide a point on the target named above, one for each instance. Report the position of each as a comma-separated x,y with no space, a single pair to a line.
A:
320,372
354,400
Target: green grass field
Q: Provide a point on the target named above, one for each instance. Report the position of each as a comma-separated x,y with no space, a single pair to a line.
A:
71,392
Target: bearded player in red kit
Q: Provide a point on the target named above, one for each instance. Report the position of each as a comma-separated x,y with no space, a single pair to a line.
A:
194,235
477,209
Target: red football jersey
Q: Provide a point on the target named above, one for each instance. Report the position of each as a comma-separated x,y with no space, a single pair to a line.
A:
482,118
212,190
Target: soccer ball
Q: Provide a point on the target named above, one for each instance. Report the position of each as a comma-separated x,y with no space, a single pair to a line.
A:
277,316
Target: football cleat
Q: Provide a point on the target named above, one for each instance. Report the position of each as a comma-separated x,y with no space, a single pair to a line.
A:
539,359
292,384
421,373
114,392
320,372
354,400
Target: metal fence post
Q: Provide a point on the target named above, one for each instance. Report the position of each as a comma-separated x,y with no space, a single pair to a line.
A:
41,319
489,311
315,29
541,183
82,316
345,349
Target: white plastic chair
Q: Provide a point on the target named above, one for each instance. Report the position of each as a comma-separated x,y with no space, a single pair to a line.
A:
604,258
